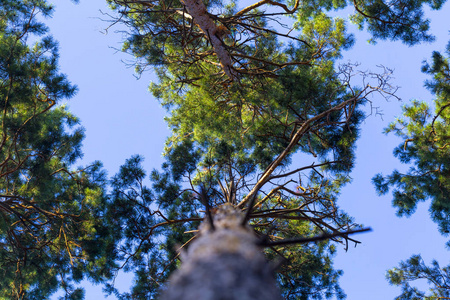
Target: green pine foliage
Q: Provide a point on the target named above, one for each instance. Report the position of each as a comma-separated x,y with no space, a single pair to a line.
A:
281,131
51,230
413,269
395,20
273,135
150,235
425,132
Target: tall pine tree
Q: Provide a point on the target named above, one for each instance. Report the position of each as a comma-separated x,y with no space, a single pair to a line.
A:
51,228
425,133
262,120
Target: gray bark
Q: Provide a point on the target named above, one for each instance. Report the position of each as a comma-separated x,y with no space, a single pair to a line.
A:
197,10
224,264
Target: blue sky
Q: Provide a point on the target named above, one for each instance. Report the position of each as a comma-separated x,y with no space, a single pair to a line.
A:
121,118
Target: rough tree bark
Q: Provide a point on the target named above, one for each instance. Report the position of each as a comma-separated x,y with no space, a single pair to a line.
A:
197,9
224,262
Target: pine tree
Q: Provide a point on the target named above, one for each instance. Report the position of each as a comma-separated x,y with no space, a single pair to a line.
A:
261,121
425,132
51,230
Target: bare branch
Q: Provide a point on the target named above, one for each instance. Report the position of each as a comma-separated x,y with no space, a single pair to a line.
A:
314,238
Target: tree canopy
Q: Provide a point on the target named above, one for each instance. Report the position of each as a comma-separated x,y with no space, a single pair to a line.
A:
51,230
424,130
425,146
262,117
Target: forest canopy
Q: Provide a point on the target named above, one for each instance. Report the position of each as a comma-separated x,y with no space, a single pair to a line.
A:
262,118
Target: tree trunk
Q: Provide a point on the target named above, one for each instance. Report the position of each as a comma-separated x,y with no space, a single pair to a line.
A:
223,263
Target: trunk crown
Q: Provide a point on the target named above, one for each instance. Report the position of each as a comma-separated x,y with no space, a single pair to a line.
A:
225,263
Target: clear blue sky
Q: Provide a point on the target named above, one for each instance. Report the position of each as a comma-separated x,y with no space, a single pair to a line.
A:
121,118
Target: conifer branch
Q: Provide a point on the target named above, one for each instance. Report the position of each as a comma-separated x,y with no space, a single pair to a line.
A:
317,238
